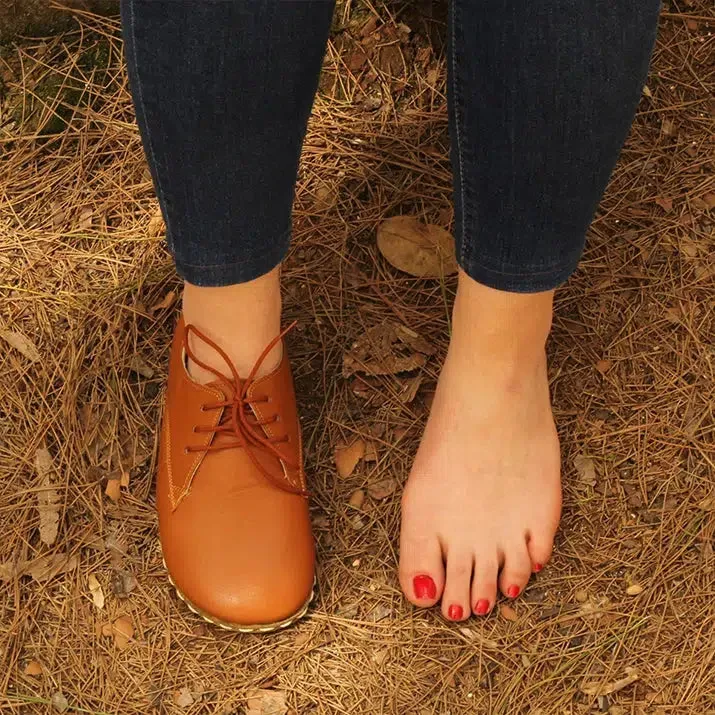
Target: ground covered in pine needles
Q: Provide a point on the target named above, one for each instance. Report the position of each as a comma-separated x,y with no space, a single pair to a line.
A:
621,621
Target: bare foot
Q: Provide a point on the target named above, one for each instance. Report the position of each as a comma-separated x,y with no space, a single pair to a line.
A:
241,319
483,500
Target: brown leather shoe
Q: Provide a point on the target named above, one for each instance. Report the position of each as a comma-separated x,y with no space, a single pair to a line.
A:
233,511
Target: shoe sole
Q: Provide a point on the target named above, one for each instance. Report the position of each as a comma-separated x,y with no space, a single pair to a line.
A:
240,627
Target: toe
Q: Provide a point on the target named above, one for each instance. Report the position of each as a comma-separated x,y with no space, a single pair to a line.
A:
484,585
516,570
455,601
421,570
539,551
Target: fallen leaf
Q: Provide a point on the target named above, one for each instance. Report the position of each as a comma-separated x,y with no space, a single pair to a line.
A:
95,588
113,489
347,457
357,498
137,364
383,488
581,596
422,250
59,702
183,698
525,661
356,59
46,567
508,613
156,225
668,127
122,583
709,199
371,454
634,589
409,388
85,218
707,504
594,688
380,656
369,27
58,215
22,344
47,498
603,366
122,630
647,91
33,668
586,469
387,349
691,24
166,302
325,197
266,702
665,203
124,479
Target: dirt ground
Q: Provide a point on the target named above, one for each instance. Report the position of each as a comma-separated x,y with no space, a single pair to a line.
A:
621,621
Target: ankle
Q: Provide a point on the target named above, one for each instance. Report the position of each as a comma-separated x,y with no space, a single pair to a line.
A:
241,319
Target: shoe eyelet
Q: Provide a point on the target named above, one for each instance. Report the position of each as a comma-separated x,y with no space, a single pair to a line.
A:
277,419
186,450
203,408
195,429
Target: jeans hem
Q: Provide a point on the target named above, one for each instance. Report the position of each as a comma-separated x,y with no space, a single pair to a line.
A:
216,276
519,282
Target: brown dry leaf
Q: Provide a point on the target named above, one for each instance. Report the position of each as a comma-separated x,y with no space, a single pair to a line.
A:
473,635
383,488
156,225
603,366
124,479
47,498
266,702
634,589
356,59
85,218
668,127
371,454
113,489
709,199
122,583
33,668
347,457
122,630
369,27
22,344
409,389
137,364
665,203
58,215
707,504
594,688
183,698
357,499
95,588
422,250
46,567
387,349
586,469
508,613
59,702
166,302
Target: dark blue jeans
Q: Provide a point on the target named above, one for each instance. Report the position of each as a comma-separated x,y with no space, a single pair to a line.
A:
542,94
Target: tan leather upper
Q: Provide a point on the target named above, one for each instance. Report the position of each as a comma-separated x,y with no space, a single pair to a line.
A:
237,542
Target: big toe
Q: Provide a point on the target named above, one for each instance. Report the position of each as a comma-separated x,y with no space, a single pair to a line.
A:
421,570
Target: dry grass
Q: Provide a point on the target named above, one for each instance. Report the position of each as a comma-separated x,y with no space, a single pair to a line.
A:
632,363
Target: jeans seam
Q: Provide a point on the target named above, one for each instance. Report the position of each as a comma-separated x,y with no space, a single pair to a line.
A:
140,102
458,137
523,270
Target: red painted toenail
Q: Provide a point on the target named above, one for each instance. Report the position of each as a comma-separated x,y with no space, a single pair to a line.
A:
424,587
538,567
455,612
482,607
513,591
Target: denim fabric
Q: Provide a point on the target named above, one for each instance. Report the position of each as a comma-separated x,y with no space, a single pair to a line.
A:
542,94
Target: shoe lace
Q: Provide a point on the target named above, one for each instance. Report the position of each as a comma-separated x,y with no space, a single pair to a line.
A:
238,418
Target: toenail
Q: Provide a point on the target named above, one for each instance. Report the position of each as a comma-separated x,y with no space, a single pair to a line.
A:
513,591
455,612
482,607
424,587
538,567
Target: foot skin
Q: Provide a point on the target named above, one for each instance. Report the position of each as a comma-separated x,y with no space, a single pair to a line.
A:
483,500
